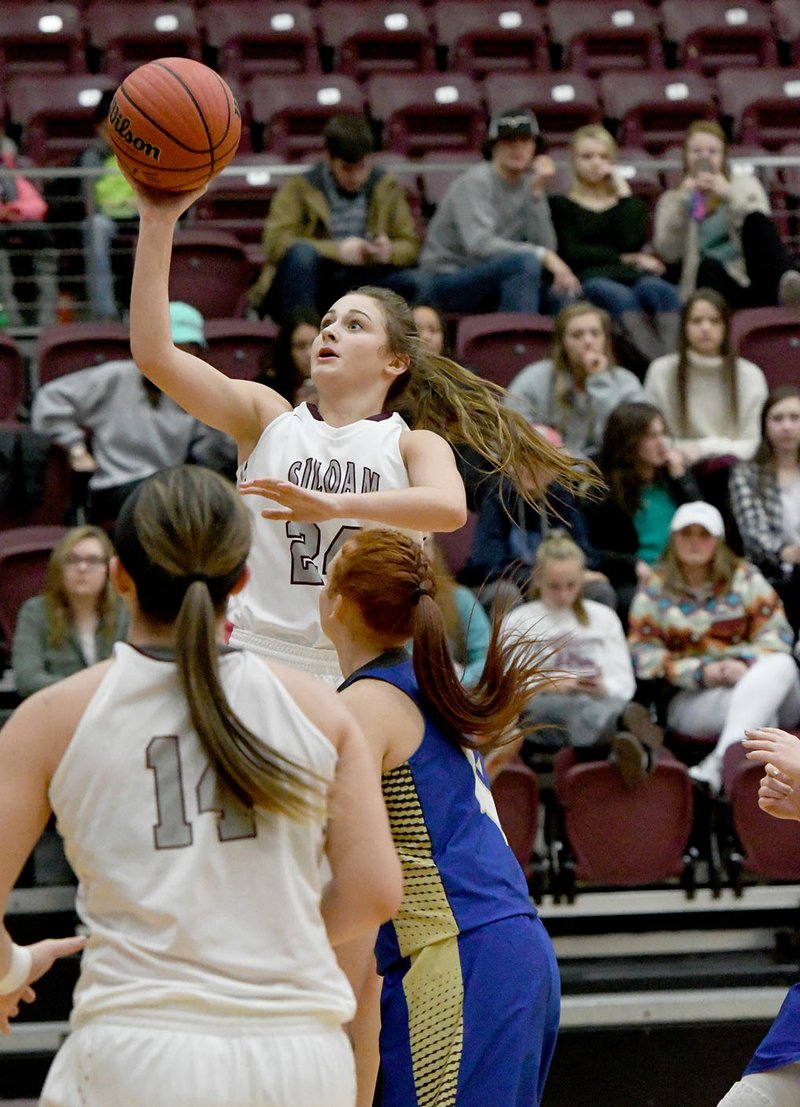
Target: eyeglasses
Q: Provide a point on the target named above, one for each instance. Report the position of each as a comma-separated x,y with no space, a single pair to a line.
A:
93,561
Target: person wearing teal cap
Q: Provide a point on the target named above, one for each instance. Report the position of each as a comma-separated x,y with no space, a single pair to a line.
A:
134,429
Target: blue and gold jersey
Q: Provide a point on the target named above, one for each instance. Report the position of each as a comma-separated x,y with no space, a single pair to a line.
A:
459,872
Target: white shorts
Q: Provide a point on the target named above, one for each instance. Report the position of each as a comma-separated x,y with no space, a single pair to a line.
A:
318,662
130,1064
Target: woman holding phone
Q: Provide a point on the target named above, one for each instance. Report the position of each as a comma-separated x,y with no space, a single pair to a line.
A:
718,229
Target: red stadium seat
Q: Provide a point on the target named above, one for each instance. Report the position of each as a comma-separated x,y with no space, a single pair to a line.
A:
56,115
210,270
487,36
126,35
375,36
41,38
240,348
717,33
787,22
562,102
606,34
431,112
279,38
654,110
622,836
516,795
68,347
292,112
765,110
12,378
498,344
770,337
24,557
237,200
770,848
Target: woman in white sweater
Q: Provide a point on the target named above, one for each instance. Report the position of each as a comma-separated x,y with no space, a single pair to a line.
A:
585,649
710,398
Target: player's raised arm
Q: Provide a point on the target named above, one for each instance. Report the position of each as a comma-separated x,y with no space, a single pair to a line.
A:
240,408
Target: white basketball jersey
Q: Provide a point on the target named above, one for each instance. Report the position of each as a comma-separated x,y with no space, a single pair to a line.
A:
196,904
289,561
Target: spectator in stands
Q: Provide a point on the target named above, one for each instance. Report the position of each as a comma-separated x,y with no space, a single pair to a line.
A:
76,620
290,369
765,499
711,631
28,260
342,224
647,480
110,210
432,328
508,533
468,626
583,646
579,385
602,235
718,229
710,399
490,245
135,428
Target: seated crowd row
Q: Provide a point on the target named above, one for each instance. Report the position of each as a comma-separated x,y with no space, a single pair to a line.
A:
497,240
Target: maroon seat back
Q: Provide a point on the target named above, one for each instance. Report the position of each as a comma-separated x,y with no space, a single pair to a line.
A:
770,846
625,836
24,557
498,344
516,796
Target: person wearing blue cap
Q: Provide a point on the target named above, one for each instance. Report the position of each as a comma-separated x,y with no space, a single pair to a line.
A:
134,429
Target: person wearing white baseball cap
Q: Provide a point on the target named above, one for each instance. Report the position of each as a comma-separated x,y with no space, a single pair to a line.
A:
699,514
712,631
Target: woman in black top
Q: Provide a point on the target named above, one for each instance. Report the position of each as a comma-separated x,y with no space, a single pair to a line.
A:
602,231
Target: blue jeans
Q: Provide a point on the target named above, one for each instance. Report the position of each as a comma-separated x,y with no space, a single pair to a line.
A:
305,279
508,282
652,295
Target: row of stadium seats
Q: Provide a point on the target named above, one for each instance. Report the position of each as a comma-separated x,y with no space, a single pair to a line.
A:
497,345
358,39
435,112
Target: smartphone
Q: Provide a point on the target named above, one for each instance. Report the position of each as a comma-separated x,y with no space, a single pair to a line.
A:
703,165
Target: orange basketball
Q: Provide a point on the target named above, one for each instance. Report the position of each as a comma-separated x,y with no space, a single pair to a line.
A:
174,124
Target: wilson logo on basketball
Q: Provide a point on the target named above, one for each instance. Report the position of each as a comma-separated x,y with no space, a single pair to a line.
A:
122,126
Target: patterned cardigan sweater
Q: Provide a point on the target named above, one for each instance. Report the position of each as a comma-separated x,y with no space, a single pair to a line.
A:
756,505
673,633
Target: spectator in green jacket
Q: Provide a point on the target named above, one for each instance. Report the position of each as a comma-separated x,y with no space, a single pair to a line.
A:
343,224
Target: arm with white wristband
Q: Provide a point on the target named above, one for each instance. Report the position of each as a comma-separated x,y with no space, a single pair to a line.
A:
27,965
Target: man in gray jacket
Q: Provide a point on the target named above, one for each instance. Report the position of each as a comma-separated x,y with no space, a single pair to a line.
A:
135,428
490,245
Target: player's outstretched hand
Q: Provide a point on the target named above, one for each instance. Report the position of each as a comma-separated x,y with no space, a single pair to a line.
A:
782,749
174,203
776,796
44,954
297,504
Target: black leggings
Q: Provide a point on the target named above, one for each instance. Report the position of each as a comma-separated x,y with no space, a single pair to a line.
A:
765,260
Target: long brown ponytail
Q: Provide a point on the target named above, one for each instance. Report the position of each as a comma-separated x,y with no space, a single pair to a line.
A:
184,540
440,395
